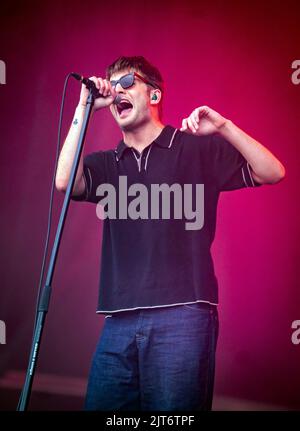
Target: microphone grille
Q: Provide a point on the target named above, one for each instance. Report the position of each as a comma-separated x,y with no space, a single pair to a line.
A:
117,100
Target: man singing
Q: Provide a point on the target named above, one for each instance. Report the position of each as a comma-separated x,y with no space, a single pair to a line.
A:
158,288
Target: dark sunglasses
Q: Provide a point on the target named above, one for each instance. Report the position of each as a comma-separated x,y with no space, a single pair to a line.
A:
127,81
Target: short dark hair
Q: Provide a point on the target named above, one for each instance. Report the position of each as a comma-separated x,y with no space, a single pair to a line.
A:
141,65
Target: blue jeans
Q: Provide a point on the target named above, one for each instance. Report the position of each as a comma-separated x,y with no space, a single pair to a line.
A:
159,359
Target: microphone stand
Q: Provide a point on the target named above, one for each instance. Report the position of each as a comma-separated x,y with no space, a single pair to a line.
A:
46,291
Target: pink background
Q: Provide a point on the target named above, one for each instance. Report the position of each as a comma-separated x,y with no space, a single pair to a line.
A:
231,56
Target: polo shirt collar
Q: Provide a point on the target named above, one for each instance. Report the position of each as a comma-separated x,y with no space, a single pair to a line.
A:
163,140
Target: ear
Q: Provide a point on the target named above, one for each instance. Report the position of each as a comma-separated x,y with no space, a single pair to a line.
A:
155,96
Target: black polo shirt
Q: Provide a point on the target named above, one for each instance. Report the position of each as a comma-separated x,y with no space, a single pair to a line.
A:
158,262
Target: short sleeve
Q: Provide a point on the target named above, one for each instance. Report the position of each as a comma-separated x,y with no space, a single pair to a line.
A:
229,169
93,175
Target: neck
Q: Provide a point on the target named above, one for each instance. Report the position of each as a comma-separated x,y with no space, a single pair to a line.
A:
142,136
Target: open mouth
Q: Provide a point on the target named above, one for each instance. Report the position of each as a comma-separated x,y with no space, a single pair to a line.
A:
124,108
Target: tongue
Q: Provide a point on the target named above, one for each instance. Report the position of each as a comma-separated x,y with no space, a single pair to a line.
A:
125,111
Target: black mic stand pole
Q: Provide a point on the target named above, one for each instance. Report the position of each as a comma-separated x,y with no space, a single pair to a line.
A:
46,291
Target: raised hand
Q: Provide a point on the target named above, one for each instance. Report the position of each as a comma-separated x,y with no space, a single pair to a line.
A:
203,121
105,88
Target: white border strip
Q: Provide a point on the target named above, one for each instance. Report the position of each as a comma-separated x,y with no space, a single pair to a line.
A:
86,187
147,157
172,139
91,181
138,159
250,175
243,173
155,306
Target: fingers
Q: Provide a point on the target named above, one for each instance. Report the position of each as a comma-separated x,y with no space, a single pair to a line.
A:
195,118
105,89
104,86
191,123
95,81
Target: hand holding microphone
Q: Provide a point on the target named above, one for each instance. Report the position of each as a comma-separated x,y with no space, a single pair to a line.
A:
102,89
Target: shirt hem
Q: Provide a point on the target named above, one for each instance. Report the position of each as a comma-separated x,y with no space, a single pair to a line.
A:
154,306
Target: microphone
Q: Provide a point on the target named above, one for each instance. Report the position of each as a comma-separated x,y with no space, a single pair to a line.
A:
90,85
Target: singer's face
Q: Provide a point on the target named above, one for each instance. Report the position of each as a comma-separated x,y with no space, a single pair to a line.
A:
134,107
